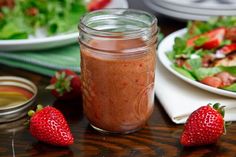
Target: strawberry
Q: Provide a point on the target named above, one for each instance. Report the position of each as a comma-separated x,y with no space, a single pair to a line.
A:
227,49
204,126
65,85
49,125
211,39
97,4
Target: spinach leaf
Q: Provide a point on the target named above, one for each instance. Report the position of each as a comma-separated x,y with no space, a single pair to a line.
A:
195,63
201,40
231,70
180,45
201,73
171,55
12,31
184,72
231,87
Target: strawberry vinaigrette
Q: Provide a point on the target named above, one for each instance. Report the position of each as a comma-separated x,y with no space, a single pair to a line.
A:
118,59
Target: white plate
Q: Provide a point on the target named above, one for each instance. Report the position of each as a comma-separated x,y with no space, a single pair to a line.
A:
166,46
190,10
40,43
203,4
175,14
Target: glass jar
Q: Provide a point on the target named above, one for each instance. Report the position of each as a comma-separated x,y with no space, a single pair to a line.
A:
118,58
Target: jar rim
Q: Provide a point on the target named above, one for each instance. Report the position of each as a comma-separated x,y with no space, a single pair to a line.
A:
104,33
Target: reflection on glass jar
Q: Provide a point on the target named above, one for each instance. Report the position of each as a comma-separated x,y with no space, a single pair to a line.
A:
118,58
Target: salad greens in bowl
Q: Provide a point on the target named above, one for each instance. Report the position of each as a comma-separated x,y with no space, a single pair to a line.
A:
206,53
20,19
44,24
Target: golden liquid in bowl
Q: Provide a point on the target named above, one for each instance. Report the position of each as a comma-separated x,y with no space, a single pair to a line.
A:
12,95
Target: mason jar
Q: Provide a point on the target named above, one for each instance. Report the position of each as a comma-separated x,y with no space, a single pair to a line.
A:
118,58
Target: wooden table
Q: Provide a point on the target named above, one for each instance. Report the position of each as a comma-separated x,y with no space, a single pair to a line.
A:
160,137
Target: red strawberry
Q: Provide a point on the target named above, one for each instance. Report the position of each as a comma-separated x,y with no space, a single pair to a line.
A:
227,49
65,85
97,4
204,126
49,125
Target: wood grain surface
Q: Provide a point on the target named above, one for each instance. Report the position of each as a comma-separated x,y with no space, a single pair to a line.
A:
160,137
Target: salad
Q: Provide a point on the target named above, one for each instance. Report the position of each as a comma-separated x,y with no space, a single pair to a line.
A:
207,53
20,19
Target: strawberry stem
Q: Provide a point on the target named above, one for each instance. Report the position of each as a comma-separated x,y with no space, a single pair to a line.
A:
39,107
221,110
62,84
31,113
216,106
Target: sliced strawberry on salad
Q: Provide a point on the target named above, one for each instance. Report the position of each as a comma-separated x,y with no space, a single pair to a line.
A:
207,53
227,49
209,40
